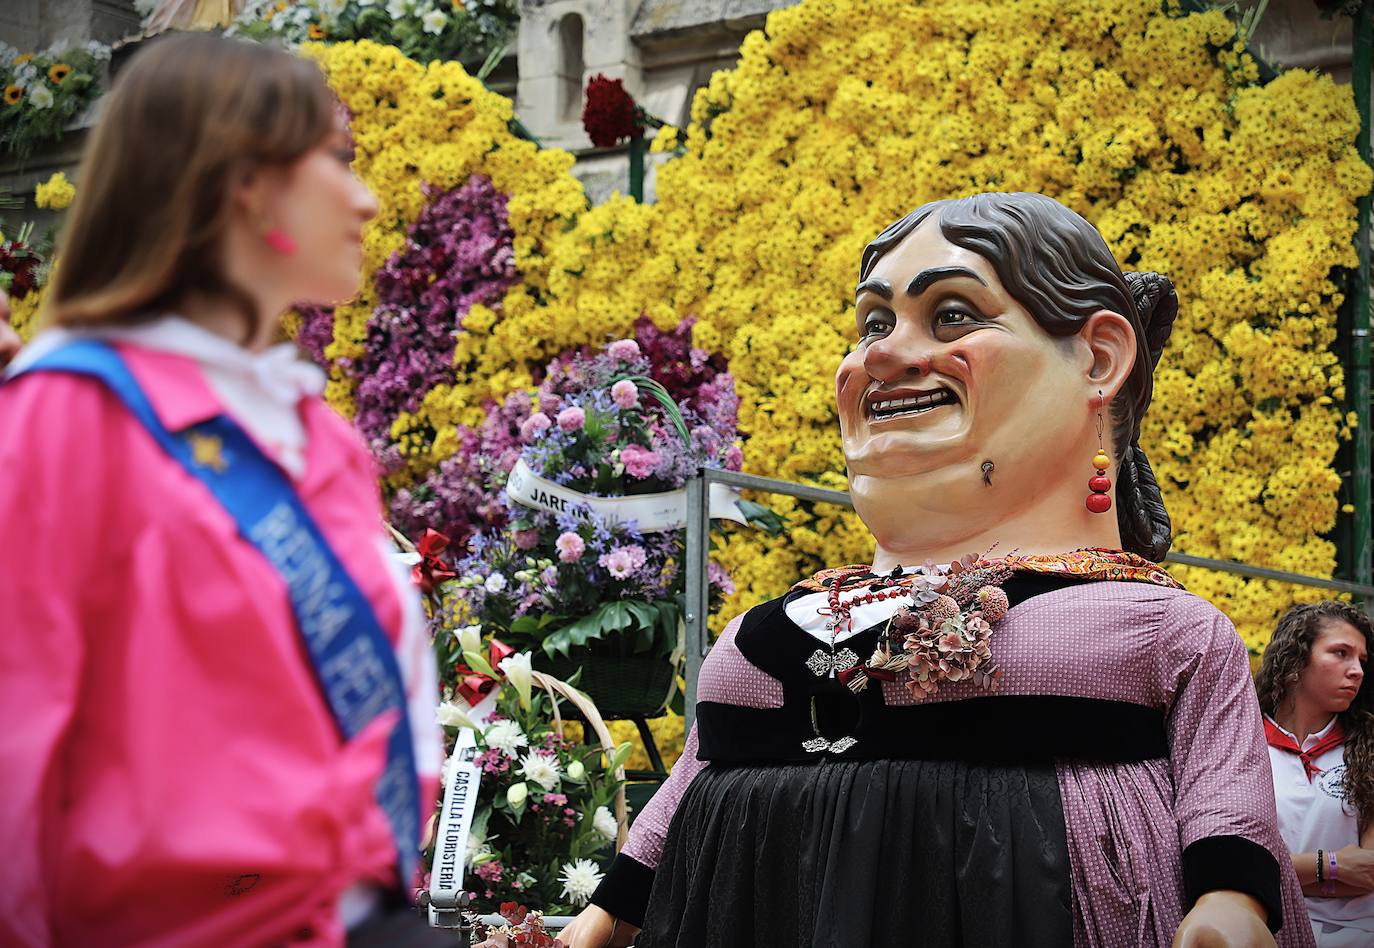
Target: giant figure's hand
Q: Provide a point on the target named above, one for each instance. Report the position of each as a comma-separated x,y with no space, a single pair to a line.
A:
1225,919
597,928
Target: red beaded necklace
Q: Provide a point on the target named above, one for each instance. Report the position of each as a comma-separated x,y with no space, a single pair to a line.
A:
839,613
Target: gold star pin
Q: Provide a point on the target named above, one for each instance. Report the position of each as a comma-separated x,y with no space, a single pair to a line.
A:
207,451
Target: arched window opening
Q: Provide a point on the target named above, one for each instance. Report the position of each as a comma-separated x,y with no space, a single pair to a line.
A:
570,67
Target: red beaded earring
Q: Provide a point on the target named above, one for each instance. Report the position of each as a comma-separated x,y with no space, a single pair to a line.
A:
1100,501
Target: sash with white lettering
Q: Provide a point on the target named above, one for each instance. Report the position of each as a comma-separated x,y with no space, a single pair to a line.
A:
353,659
455,823
651,513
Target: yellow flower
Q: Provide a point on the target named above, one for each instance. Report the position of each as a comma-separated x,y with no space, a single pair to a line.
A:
57,72
834,122
315,33
23,58
55,194
14,95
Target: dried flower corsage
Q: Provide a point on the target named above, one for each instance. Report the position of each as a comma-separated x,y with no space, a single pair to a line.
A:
943,636
523,927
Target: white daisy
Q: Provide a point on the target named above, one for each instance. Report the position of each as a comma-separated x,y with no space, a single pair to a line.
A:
540,768
505,736
580,879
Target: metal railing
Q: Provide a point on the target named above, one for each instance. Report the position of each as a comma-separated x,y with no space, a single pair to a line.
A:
699,549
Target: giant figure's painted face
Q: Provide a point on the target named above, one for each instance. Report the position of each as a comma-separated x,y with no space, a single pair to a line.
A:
949,369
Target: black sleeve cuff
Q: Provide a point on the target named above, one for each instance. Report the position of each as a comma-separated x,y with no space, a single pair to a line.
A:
624,892
1233,862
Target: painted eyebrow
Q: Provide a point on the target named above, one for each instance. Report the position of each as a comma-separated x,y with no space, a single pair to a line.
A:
926,278
875,285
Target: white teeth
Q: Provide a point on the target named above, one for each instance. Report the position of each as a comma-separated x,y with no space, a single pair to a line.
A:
915,402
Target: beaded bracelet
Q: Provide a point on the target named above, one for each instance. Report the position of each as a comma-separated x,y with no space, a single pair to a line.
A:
1321,867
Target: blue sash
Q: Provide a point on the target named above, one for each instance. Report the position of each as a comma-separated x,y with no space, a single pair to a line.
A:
353,660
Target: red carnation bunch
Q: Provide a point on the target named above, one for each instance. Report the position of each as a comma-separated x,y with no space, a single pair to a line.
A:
610,113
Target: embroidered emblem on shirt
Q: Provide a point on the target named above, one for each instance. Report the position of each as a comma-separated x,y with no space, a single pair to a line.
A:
1332,782
207,451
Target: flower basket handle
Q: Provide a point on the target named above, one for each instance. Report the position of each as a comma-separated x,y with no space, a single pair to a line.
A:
584,704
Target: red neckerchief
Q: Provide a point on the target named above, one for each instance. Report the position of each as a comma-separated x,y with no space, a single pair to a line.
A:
1277,738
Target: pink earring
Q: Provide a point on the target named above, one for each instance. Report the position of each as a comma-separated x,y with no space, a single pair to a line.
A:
278,240
1099,501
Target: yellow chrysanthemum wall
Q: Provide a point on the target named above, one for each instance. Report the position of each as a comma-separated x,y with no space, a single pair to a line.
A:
844,114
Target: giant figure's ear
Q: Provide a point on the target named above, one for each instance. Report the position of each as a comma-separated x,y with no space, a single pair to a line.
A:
1108,351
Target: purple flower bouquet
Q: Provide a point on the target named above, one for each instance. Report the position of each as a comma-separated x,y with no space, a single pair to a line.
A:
565,575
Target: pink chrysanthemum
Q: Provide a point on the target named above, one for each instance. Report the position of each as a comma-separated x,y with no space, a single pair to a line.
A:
639,462
571,419
624,393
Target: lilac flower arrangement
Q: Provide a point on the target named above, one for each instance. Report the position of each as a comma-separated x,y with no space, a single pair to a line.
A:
604,428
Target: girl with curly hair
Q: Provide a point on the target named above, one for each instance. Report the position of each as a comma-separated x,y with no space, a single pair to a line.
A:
1319,721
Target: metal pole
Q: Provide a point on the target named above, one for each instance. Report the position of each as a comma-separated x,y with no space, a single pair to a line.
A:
697,592
1264,572
1362,60
773,486
637,169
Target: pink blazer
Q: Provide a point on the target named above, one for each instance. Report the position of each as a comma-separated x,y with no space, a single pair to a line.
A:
169,771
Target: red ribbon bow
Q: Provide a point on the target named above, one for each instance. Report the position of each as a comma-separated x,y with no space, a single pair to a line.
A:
431,570
473,685
880,674
1277,738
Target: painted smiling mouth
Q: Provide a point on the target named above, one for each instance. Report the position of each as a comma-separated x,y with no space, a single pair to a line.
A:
880,409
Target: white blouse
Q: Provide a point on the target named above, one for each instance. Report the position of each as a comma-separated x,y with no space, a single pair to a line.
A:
1312,816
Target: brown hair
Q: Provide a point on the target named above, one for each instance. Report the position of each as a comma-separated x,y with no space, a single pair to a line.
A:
1287,655
190,115
1056,265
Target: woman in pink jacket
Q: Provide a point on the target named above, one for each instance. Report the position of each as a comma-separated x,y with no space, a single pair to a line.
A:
217,690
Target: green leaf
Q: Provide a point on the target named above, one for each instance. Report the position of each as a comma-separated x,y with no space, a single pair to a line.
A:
622,754
589,627
479,664
761,517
